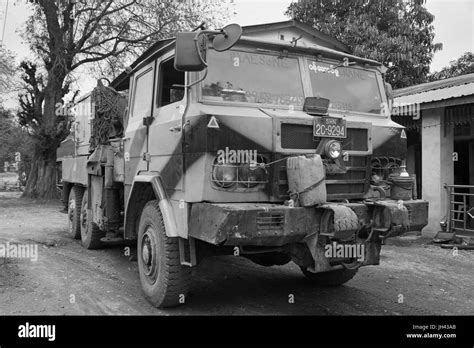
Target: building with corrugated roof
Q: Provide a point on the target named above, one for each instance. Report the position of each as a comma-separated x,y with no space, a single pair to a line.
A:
440,135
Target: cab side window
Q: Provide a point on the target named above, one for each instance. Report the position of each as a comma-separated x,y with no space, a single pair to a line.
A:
171,83
142,96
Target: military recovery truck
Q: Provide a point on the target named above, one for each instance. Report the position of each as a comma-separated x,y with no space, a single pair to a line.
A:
214,143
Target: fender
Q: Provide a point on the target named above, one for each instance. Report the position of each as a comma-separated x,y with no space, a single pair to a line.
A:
148,186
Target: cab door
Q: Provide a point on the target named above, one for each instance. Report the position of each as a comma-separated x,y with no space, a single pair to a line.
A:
166,133
140,106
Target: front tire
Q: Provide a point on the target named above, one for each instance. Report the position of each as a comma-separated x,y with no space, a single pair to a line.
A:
73,211
164,280
330,278
90,232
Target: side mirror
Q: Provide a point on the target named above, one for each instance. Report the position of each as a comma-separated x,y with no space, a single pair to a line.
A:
190,52
191,47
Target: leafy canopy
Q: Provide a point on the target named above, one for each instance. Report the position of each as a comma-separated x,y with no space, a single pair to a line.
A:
69,34
110,33
14,139
397,33
7,71
461,66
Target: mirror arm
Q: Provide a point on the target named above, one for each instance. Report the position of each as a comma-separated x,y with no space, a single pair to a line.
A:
206,32
198,81
196,42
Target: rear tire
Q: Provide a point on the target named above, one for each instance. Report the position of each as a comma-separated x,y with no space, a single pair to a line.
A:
164,280
90,232
330,278
73,211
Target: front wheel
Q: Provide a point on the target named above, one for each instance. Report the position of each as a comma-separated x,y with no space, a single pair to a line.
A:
164,280
330,278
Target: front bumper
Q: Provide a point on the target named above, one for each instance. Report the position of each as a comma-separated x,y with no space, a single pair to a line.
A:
276,225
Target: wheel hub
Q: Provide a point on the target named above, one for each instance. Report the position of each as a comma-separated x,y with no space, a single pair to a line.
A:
148,256
84,218
72,207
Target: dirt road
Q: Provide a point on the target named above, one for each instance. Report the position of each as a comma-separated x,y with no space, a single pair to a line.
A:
413,278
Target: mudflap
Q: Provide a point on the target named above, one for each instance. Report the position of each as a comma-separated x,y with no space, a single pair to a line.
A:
373,245
321,263
389,219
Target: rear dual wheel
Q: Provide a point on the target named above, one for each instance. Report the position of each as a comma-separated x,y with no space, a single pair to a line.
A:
90,233
74,211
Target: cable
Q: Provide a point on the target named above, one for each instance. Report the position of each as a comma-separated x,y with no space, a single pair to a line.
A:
5,21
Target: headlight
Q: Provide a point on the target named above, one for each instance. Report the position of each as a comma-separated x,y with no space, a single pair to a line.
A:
237,176
333,149
224,175
251,175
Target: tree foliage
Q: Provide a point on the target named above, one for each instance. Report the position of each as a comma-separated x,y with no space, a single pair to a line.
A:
30,114
7,70
72,33
461,66
68,34
397,33
14,139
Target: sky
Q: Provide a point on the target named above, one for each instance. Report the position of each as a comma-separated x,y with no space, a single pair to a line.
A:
454,26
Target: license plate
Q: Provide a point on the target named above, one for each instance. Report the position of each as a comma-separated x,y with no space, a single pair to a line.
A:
329,127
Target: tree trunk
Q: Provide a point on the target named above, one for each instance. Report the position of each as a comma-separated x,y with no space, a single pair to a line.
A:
42,180
42,177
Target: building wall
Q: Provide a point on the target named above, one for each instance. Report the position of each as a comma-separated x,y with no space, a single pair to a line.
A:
471,171
437,164
288,35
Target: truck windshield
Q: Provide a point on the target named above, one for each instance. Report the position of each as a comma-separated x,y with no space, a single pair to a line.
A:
235,76
347,88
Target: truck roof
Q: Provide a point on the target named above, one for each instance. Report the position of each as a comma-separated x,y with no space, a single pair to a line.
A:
121,82
342,51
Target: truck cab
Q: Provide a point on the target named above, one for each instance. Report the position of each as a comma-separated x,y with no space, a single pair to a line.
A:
248,147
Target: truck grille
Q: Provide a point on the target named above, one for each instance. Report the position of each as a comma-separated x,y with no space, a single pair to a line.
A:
350,185
300,136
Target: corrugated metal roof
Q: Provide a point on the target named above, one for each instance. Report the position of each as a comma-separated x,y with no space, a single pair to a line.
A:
428,86
436,94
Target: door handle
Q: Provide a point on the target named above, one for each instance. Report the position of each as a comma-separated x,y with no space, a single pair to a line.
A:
179,128
176,129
